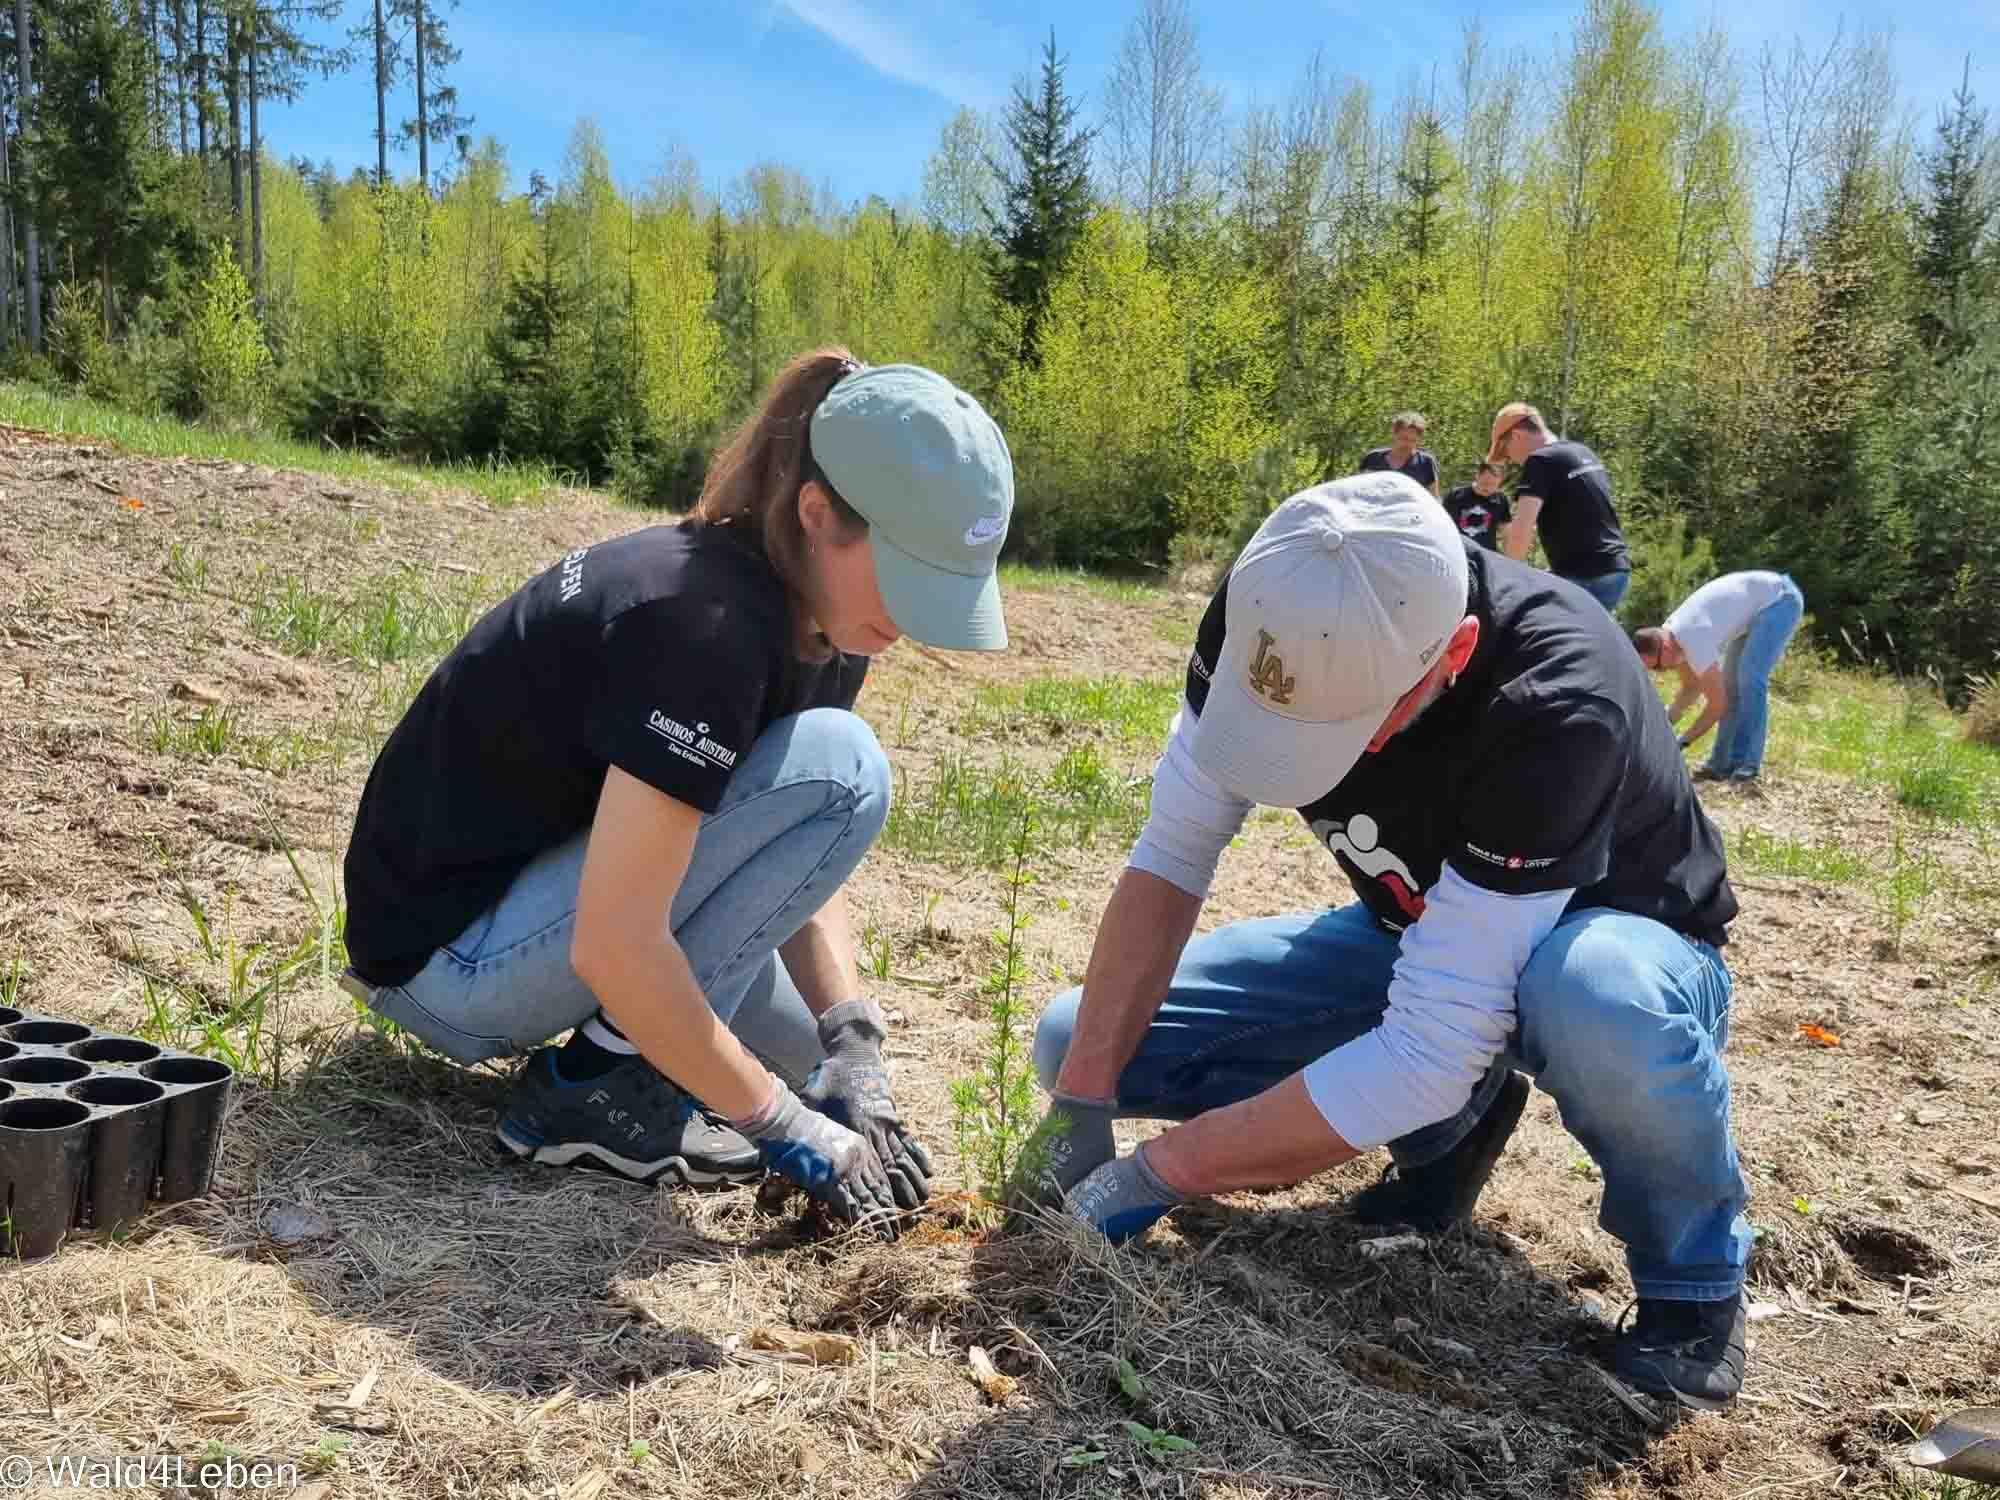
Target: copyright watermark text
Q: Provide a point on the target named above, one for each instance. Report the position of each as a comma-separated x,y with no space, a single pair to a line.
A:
149,1474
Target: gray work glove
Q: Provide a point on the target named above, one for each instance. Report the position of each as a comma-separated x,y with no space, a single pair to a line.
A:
852,1086
1121,1199
1072,1141
834,1165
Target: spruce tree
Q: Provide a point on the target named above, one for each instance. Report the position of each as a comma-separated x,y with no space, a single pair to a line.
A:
1045,195
1953,222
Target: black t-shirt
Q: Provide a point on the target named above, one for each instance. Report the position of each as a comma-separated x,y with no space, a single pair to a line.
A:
1422,467
664,652
1478,516
1550,765
1578,524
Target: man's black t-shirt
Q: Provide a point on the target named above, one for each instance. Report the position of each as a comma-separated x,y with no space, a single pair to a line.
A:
1422,467
1578,524
1550,765
664,652
1478,516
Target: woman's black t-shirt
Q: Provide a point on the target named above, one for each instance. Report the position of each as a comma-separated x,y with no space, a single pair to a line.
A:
664,652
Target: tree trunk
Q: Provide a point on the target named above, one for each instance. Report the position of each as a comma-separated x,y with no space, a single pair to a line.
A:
201,86
9,301
233,83
256,176
180,68
30,240
423,120
381,100
153,74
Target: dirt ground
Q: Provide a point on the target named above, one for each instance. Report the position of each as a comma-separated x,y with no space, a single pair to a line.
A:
448,1324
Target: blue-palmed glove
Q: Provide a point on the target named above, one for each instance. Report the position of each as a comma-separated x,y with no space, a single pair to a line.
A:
1121,1199
1072,1141
852,1086
833,1164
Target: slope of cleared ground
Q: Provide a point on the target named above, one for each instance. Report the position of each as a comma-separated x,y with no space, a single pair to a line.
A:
199,658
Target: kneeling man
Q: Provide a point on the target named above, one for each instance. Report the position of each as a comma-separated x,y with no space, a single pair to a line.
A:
1484,756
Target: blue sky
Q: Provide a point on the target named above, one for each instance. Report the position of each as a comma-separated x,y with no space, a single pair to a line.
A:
854,92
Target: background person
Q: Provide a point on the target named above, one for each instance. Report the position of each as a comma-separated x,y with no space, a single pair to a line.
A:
1480,508
1725,641
628,800
1564,495
1405,455
1538,889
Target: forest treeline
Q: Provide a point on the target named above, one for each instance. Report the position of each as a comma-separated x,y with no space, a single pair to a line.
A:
1773,306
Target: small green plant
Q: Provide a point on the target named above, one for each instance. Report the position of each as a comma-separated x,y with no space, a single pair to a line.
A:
1912,877
294,616
10,984
1156,1443
208,734
638,1451
325,1453
879,949
187,568
995,1108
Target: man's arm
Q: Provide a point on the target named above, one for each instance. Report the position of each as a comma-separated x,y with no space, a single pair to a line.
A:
1138,945
1716,691
1521,530
1684,699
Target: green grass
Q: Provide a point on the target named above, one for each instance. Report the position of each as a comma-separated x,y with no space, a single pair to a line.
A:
1871,730
1134,710
966,814
78,416
1018,575
1764,854
398,616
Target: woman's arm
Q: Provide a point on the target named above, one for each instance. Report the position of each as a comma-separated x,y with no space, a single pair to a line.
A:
624,948
820,957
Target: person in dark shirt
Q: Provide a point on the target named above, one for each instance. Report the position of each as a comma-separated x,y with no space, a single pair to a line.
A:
1565,495
628,800
1487,761
1405,454
1480,508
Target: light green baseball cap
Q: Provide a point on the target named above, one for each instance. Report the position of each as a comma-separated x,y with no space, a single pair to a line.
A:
929,471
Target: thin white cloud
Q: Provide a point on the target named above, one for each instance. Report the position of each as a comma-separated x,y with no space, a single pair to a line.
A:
892,45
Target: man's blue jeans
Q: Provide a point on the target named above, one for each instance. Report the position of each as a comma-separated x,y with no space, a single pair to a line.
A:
1621,1019
800,811
1746,676
1608,589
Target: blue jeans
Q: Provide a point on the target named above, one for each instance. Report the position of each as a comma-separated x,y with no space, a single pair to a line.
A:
800,811
1746,676
1606,588
1619,1018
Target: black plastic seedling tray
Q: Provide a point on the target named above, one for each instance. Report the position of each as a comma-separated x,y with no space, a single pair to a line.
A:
94,1124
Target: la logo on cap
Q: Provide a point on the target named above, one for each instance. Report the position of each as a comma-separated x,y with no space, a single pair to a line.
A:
1267,671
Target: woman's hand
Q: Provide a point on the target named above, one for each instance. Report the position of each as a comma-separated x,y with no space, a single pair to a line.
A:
852,1087
833,1164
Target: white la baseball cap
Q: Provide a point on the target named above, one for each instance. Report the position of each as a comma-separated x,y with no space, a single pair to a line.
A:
1339,605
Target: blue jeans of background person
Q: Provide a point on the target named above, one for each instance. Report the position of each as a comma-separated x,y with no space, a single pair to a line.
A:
1608,589
1746,676
800,811
1621,1019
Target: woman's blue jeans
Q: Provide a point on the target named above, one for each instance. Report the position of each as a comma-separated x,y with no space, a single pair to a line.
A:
1746,676
1620,1018
800,811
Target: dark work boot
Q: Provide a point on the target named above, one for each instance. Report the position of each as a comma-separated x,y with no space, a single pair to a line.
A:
1442,1193
1691,1352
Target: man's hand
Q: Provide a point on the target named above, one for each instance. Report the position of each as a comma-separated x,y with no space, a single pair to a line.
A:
1122,1199
833,1164
852,1087
1072,1141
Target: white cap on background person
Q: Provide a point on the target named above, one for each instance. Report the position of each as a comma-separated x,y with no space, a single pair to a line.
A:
1337,608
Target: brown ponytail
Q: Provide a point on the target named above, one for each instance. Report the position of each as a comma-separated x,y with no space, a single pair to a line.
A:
753,483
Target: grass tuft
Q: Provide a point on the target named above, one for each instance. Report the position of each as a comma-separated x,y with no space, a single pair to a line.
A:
1133,710
1767,854
967,814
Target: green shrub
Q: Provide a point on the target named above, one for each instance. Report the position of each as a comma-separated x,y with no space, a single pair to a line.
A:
225,367
1667,566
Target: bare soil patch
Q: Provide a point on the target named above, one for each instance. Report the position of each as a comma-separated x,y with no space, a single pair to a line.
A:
516,1331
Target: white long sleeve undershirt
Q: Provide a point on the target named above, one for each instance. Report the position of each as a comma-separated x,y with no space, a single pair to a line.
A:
1451,996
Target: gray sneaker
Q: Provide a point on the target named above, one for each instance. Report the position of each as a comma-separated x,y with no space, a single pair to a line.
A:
631,1121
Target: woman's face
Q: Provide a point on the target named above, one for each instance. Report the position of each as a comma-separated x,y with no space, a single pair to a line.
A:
840,573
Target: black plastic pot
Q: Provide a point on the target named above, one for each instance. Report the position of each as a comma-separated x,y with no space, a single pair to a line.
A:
115,1050
46,1033
124,1147
7,1050
40,1068
194,1117
8,1015
44,1147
